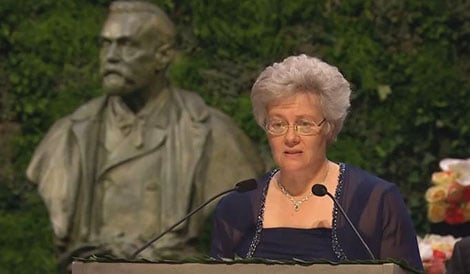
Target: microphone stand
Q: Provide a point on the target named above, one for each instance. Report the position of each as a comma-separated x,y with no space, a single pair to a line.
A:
178,223
320,190
352,226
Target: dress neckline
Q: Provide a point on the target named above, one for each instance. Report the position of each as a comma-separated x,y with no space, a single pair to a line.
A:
299,228
260,217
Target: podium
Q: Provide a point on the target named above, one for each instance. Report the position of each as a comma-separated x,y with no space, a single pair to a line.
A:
218,268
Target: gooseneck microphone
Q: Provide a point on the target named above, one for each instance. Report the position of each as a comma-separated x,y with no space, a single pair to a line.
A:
243,186
320,190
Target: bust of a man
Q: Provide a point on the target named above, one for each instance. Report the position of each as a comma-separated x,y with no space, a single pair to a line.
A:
129,164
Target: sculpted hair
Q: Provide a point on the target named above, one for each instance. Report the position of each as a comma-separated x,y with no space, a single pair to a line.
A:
161,22
303,73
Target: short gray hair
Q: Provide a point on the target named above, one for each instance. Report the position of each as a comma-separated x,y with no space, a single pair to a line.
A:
303,73
163,23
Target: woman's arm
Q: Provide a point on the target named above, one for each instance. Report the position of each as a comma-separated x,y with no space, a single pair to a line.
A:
399,237
221,242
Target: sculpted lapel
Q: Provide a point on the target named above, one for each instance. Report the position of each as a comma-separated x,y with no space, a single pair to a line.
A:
86,127
188,139
127,150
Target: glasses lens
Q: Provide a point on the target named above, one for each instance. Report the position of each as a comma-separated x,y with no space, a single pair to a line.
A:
302,127
276,127
306,127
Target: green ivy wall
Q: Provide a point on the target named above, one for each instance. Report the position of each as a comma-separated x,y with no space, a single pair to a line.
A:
408,62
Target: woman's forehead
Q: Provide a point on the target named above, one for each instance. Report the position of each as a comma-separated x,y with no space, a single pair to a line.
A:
300,104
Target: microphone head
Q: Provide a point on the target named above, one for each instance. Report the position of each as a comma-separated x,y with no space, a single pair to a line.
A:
246,185
319,190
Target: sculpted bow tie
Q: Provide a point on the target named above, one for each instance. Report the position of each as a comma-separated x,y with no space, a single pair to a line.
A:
128,124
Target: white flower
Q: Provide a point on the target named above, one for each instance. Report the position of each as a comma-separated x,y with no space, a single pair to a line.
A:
425,250
432,242
459,166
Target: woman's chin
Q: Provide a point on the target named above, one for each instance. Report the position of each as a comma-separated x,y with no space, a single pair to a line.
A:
293,167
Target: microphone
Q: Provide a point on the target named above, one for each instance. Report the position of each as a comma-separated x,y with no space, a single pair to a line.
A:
320,191
243,186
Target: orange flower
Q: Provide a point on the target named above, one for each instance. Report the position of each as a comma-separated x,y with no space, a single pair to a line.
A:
436,194
449,195
437,212
443,177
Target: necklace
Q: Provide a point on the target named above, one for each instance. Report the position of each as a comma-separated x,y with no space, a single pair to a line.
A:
298,203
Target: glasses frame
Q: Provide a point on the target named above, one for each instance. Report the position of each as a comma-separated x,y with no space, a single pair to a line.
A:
295,126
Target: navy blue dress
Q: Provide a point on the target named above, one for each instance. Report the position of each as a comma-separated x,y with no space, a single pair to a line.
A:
374,206
299,243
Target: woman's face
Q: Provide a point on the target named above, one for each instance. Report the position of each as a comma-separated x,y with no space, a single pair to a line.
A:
292,151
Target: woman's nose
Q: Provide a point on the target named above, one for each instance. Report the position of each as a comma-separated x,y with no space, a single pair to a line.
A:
291,137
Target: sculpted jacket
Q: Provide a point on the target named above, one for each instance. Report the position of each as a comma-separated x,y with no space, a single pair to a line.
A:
188,153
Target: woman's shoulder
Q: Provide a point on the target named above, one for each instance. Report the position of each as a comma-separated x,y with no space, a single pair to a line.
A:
359,178
237,203
234,201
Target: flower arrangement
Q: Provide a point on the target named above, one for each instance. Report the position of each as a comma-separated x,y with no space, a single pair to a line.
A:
435,250
449,196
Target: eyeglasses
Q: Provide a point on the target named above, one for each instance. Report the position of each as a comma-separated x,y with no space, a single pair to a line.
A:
303,127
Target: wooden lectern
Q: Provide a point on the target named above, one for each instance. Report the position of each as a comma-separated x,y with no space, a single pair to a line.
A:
245,268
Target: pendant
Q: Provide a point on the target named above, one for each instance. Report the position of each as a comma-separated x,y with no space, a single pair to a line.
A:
296,206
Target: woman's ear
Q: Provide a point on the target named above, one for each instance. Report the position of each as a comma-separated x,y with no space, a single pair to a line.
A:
164,55
327,131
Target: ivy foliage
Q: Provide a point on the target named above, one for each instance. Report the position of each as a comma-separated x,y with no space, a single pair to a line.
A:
408,63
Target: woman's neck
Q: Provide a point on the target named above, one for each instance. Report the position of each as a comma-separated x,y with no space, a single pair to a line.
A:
298,183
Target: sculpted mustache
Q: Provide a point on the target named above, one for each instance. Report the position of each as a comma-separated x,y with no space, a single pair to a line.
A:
119,72
112,71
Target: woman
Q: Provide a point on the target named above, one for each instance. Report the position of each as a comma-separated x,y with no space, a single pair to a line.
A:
302,103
